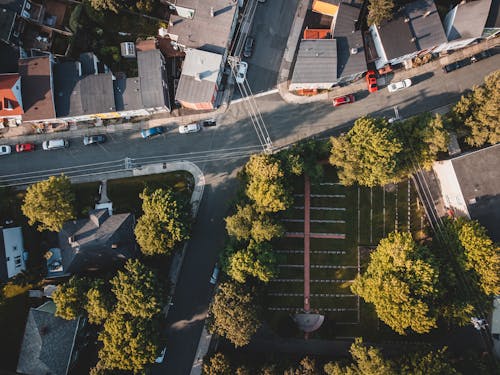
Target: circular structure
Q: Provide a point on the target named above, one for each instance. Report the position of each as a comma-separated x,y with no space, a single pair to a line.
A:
308,322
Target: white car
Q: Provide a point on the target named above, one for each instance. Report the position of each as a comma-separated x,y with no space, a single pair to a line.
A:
242,72
396,86
191,128
55,144
5,150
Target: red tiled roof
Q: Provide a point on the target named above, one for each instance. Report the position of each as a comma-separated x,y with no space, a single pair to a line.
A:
10,105
317,34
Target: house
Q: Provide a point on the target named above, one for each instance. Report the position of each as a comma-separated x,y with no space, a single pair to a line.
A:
10,21
316,65
50,344
11,102
94,243
326,7
11,253
208,25
200,79
414,29
37,83
351,62
466,22
153,80
470,187
317,34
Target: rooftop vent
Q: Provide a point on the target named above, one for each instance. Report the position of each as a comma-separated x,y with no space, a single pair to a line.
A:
427,13
354,51
211,11
407,19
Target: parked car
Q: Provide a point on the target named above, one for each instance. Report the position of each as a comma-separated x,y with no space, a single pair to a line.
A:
161,356
5,150
401,85
190,128
207,123
241,75
23,147
215,275
456,65
480,56
346,99
261,1
94,139
248,50
55,144
371,80
151,132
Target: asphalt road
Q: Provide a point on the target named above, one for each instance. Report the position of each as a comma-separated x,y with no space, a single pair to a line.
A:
219,152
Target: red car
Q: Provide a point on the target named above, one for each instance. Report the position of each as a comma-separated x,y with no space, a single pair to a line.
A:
346,99
25,147
371,80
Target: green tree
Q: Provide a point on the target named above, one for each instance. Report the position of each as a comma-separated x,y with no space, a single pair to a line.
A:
111,5
234,313
368,154
138,291
247,223
218,364
427,363
129,343
379,11
70,298
164,224
266,184
479,112
100,301
257,260
366,361
307,366
49,203
401,281
243,370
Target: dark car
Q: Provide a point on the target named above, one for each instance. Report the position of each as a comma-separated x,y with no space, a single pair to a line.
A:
248,50
456,65
480,56
151,132
94,139
207,123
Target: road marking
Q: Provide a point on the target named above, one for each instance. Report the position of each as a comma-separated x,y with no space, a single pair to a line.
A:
265,93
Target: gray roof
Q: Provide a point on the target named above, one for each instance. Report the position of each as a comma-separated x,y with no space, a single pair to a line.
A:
426,24
152,74
13,5
127,94
7,20
479,178
470,19
204,31
47,343
396,37
316,62
198,81
493,20
77,96
348,38
98,242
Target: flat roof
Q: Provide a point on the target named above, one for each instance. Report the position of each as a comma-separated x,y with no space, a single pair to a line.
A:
152,75
7,20
127,94
396,37
426,24
204,31
470,19
316,62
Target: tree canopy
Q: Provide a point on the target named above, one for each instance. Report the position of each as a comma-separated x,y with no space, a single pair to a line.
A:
401,281
257,260
164,223
218,364
100,301
49,203
70,298
266,184
367,154
234,313
479,112
111,5
247,223
138,291
379,11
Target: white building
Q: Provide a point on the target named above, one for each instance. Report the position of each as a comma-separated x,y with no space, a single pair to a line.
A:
12,249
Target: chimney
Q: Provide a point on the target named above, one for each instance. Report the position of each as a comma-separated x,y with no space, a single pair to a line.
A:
354,51
114,246
211,11
413,39
407,19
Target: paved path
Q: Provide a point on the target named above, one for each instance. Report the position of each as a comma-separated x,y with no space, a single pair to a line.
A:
307,231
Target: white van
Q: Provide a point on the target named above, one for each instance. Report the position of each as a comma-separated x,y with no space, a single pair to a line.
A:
55,144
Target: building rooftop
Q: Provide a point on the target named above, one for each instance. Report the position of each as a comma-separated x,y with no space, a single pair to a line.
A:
36,86
204,31
348,40
426,24
152,75
199,76
47,343
396,37
493,20
7,20
11,103
127,94
316,62
469,20
13,5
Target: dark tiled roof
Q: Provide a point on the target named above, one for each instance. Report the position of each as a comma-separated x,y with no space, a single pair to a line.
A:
13,5
152,74
425,24
204,31
348,38
38,101
396,37
93,246
127,94
316,62
47,343
470,19
9,60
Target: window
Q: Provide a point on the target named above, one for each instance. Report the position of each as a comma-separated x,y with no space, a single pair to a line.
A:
17,261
